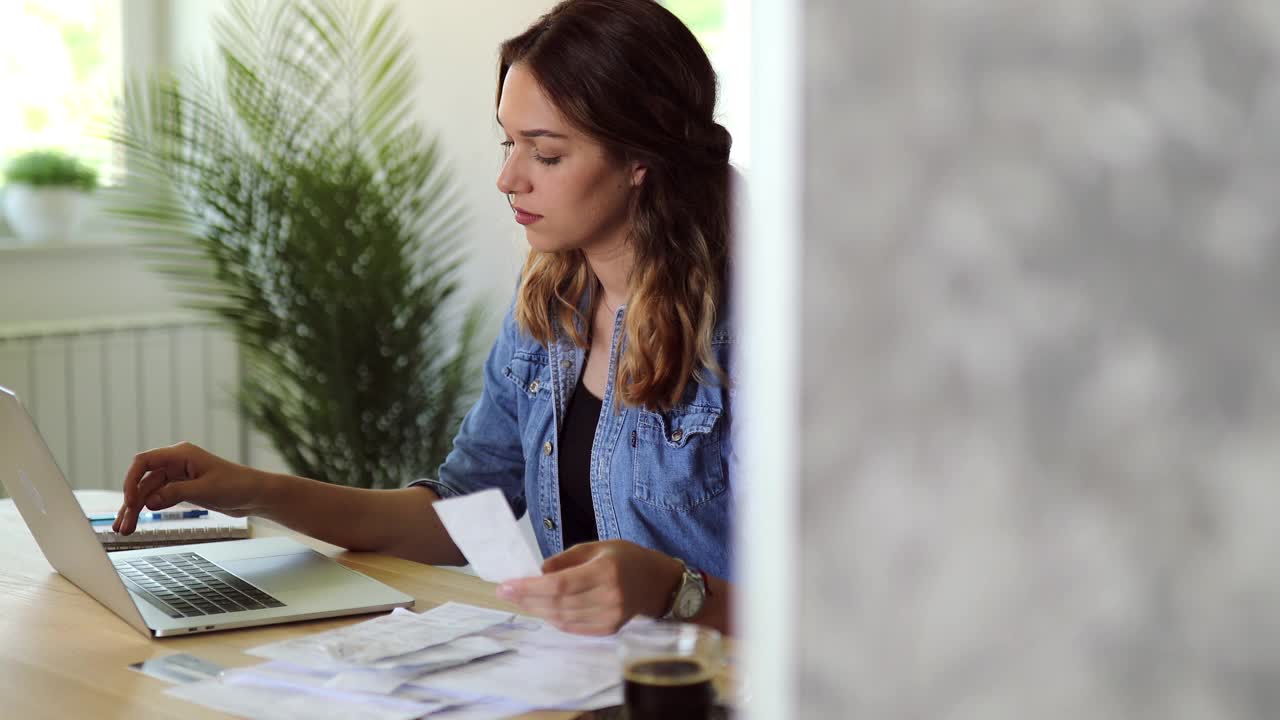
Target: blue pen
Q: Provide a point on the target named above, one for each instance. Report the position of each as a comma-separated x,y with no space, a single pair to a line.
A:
152,516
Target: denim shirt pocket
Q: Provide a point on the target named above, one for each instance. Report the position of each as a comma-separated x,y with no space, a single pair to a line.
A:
677,457
531,372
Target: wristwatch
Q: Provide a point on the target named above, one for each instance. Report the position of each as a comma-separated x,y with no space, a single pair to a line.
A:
689,597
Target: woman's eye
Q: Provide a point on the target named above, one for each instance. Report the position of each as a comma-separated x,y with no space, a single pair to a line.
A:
506,152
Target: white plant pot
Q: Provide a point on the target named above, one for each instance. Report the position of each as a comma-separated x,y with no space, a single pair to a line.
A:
44,214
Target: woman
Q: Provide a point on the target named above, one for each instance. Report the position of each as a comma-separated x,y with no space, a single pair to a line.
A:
606,410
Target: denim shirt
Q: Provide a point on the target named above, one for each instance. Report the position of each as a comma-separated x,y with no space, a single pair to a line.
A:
659,479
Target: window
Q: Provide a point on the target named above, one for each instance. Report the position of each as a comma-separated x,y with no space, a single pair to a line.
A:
61,67
704,17
722,26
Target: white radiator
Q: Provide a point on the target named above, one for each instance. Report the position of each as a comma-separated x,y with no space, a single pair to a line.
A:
104,390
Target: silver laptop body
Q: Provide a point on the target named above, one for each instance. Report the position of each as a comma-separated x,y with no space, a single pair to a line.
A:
229,584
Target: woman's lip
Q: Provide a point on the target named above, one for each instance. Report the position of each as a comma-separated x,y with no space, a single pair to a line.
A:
526,218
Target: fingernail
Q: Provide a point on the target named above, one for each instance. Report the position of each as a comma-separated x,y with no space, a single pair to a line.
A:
506,592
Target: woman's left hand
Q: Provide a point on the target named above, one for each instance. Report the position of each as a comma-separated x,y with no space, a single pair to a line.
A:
595,588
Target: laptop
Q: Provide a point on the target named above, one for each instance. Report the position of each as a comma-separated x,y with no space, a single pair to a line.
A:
179,589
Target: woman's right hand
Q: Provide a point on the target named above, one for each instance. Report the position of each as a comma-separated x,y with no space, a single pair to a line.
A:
166,476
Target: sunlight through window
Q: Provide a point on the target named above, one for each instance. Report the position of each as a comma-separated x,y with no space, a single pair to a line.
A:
61,70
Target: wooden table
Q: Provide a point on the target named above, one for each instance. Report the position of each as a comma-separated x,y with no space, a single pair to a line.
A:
63,655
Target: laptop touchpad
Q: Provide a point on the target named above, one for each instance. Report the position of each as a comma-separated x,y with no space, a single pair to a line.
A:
285,572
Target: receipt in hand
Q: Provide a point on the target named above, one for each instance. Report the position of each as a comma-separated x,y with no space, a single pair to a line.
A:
483,528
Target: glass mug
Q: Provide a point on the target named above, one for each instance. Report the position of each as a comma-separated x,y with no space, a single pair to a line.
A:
669,670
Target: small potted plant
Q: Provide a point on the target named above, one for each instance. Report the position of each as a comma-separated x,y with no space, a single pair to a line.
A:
46,193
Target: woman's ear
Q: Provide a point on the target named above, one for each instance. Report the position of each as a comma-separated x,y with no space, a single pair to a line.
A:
637,173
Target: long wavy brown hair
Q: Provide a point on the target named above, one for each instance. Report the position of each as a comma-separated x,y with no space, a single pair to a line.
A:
632,77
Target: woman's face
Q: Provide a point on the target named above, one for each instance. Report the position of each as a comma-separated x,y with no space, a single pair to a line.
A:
568,193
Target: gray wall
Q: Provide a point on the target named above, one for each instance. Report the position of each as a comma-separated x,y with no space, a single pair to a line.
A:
1039,436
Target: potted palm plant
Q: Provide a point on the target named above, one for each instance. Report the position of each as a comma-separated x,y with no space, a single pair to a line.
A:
291,193
46,194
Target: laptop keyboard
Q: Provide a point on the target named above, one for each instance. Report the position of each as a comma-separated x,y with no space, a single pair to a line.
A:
187,585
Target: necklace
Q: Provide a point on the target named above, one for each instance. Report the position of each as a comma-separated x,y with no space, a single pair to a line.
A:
604,300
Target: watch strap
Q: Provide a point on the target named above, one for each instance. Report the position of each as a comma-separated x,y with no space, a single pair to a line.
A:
675,595
689,578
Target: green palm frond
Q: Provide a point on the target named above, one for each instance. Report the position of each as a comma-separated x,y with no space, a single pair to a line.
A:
294,196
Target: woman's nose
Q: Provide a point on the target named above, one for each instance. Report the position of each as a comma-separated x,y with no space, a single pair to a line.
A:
509,180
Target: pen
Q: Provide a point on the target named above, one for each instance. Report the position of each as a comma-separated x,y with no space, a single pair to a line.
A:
152,516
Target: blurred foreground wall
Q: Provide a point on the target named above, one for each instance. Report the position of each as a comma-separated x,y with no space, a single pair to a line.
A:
1040,394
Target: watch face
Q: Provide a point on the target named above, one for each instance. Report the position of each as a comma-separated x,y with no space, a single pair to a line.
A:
688,604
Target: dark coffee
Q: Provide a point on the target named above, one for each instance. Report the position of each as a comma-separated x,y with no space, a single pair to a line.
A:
670,688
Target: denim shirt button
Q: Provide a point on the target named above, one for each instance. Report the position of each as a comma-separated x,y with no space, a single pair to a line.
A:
548,523
677,435
546,448
533,387
566,364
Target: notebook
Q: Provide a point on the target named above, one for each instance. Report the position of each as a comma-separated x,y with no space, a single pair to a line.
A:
159,533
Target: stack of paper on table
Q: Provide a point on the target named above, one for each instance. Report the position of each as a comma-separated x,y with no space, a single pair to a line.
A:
455,661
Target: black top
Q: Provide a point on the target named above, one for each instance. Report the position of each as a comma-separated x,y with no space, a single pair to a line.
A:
578,434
